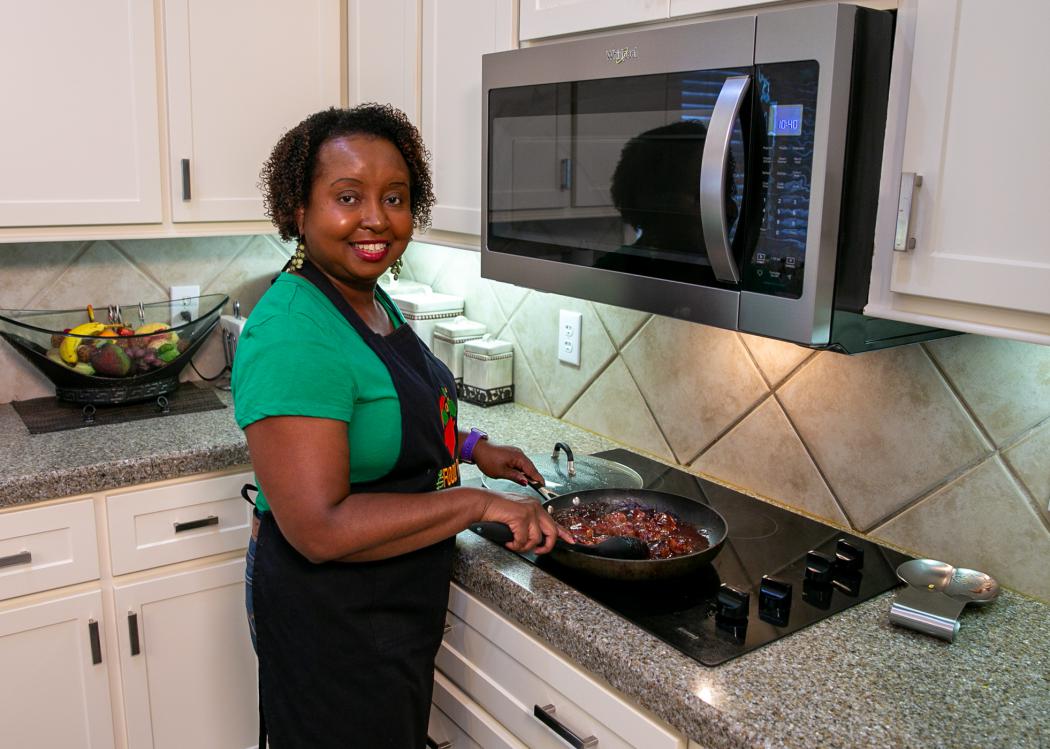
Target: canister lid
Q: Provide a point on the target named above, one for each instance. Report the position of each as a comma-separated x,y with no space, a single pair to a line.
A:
460,327
432,302
488,346
402,286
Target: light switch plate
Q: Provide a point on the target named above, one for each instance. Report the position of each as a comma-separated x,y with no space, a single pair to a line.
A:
569,336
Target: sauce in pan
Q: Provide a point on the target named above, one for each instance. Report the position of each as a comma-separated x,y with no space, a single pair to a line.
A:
665,533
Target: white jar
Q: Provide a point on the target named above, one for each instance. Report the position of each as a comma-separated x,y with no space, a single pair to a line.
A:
488,371
450,338
423,311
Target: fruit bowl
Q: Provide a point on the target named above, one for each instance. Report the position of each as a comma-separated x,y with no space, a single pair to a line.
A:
135,355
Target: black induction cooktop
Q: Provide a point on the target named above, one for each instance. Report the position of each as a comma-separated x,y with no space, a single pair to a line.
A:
777,573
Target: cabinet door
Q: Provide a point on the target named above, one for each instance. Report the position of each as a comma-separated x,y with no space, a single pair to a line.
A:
382,42
79,86
454,40
190,679
975,112
457,722
55,693
240,73
687,7
540,18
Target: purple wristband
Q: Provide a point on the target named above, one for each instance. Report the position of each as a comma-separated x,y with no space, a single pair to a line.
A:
466,452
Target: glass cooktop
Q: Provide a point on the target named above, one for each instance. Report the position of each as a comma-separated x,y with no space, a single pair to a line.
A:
777,573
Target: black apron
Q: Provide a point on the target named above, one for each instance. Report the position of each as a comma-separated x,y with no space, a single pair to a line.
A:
346,650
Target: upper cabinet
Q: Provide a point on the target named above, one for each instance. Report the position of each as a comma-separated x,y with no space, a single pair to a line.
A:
240,73
81,130
456,33
540,18
969,251
387,31
121,117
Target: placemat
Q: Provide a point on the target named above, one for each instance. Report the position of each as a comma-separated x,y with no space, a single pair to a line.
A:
42,415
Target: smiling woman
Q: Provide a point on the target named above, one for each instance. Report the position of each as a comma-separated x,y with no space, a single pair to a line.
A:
351,423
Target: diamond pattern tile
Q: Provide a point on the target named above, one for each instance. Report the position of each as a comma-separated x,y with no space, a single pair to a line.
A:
613,406
620,323
1005,383
30,268
884,428
776,359
427,261
527,391
981,521
764,454
181,261
535,327
697,380
21,380
1030,458
461,276
100,276
248,275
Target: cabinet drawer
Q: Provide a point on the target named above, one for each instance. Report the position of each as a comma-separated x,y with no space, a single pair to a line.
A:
510,674
458,721
168,524
47,547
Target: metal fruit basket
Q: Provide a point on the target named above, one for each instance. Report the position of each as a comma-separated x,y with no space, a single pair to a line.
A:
126,354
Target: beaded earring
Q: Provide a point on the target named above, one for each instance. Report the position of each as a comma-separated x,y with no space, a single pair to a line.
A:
395,269
295,262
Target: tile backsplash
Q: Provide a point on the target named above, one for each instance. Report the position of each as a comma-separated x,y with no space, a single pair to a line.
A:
941,448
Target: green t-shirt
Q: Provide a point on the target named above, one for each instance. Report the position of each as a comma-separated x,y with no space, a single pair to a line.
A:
298,356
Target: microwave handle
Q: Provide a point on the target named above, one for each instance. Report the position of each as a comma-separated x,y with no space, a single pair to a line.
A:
712,178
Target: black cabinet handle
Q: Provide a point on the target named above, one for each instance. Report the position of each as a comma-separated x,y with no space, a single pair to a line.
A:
22,557
185,179
546,717
191,524
133,632
96,644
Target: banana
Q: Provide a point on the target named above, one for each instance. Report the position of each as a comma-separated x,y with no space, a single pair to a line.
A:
153,327
68,348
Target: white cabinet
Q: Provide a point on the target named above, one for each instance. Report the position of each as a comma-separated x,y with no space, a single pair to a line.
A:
186,660
535,694
689,7
457,722
456,33
240,73
964,114
383,53
540,18
56,683
81,138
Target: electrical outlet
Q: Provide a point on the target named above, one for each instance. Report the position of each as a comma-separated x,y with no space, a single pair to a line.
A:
185,305
569,336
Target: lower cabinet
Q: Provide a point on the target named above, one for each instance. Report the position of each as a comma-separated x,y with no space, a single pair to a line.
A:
186,661
532,693
55,674
457,722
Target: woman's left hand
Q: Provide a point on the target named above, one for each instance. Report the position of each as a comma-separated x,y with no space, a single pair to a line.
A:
505,462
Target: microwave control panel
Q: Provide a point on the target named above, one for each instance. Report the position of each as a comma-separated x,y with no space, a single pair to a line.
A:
783,135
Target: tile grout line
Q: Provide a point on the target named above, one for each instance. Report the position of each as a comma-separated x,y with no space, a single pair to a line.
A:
79,253
645,401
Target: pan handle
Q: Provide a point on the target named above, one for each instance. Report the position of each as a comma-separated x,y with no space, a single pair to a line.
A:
544,492
496,532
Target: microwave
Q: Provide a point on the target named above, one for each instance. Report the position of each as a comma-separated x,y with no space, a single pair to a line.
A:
723,172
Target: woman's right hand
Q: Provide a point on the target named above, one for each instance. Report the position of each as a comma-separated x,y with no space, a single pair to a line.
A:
533,527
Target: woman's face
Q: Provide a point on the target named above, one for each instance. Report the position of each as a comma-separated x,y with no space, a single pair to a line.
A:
359,219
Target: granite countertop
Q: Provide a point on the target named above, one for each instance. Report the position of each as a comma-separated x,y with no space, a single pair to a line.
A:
853,680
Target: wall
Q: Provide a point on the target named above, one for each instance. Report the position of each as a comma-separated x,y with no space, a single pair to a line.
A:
942,449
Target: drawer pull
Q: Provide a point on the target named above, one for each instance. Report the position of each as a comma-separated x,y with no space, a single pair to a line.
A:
431,744
546,717
96,644
22,557
191,524
186,179
133,632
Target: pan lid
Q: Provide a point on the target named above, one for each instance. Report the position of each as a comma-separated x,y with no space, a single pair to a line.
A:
565,472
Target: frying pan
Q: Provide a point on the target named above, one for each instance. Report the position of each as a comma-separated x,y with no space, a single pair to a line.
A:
706,519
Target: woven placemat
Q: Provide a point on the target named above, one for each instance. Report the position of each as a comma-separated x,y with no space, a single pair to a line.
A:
42,415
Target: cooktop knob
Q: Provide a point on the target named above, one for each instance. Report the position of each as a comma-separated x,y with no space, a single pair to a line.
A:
848,556
774,601
819,566
732,604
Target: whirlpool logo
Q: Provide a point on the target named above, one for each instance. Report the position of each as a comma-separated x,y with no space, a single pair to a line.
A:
616,56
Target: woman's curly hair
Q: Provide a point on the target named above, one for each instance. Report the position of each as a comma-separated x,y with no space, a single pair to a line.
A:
287,176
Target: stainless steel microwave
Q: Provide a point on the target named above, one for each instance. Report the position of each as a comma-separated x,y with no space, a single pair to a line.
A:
723,172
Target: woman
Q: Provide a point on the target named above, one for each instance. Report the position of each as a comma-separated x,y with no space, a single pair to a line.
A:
351,426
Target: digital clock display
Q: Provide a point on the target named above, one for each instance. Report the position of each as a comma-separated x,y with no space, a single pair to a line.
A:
785,119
